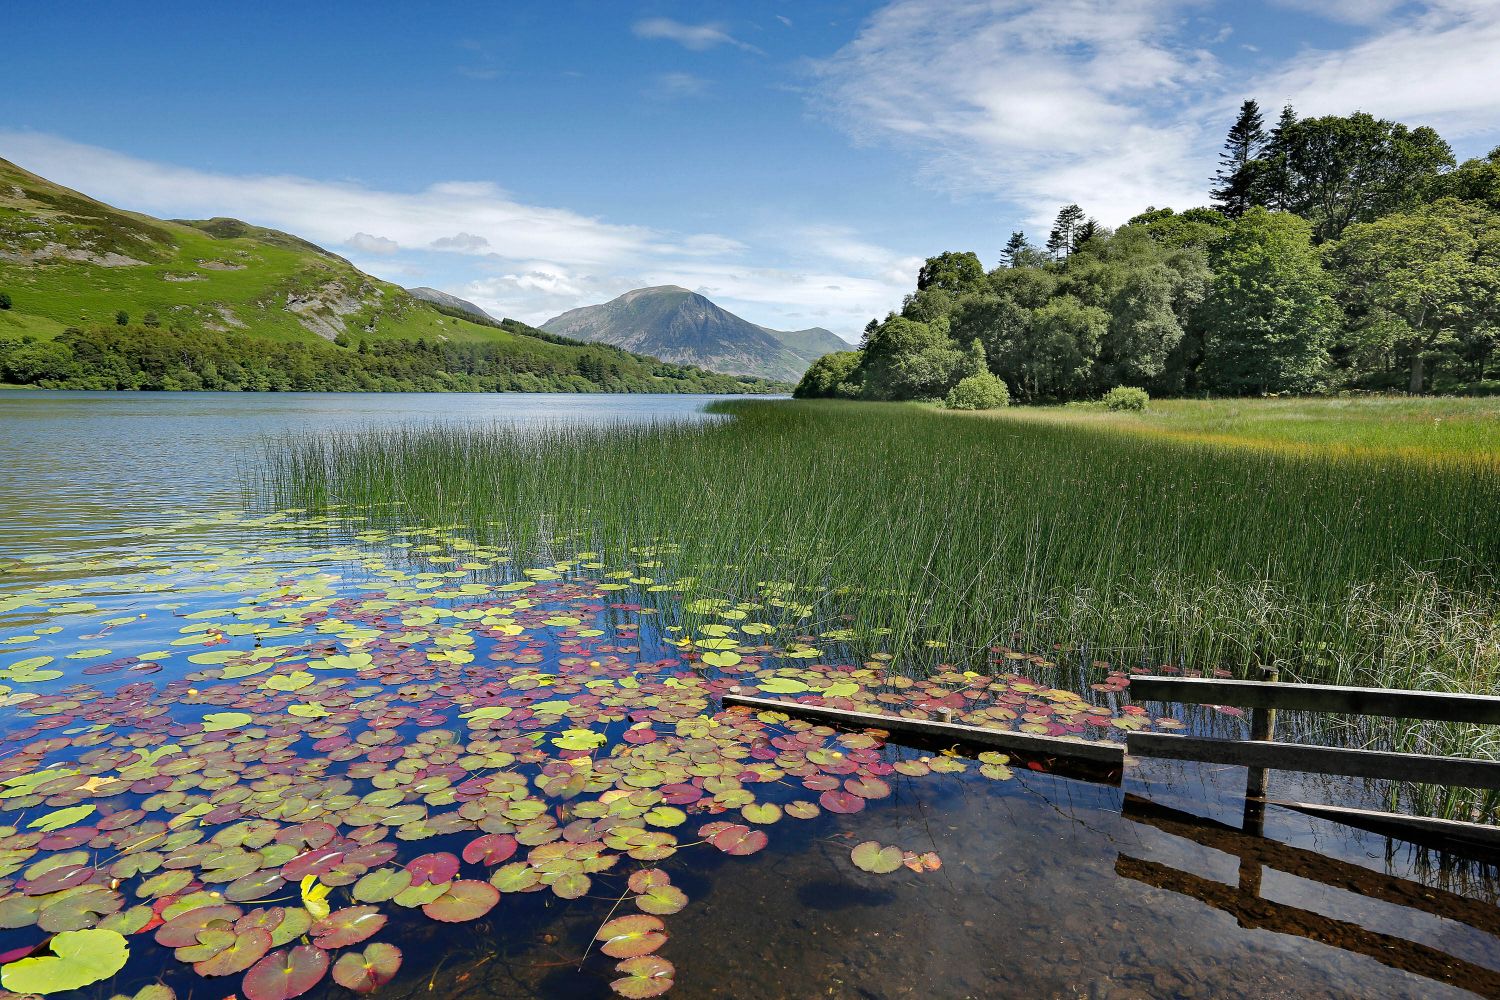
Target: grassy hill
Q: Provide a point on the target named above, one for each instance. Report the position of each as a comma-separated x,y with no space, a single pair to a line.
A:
69,261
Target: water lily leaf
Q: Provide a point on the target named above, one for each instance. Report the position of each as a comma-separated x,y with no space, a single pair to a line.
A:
579,739
662,900
781,685
216,722
282,975
347,926
724,658
837,801
761,812
465,899
381,885
78,959
667,816
631,936
432,868
60,818
256,885
802,809
421,895
571,885
647,878
871,857
643,977
367,971
294,681
491,849
739,840
246,948
514,877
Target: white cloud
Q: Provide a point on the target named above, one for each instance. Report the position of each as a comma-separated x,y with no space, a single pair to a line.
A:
465,242
515,259
372,244
698,37
1115,105
1042,102
1438,67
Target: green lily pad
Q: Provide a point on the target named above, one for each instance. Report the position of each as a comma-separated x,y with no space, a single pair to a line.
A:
78,959
643,977
465,900
347,926
367,971
631,936
871,857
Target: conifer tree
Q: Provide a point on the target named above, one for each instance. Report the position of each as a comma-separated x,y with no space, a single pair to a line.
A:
1014,247
1240,165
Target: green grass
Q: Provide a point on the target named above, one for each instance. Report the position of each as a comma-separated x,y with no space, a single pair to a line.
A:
936,536
1434,429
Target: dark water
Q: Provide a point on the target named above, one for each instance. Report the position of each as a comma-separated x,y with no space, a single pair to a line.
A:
125,507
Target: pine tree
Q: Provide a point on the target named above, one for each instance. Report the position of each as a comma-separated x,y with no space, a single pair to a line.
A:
1240,165
1084,233
1014,247
1064,231
1273,187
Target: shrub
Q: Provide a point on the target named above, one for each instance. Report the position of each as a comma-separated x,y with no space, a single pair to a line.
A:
122,318
978,392
4,300
1126,397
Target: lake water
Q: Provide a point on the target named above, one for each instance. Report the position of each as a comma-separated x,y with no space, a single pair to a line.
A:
206,699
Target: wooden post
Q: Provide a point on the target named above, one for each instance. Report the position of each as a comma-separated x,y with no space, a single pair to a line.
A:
1263,727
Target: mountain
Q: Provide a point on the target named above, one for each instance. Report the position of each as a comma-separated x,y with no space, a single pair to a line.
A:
675,324
452,302
71,263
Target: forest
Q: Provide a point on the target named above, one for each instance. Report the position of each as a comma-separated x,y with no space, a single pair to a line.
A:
1339,253
153,357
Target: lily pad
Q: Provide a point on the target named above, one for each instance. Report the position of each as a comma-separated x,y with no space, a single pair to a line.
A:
284,974
643,977
465,899
347,926
78,959
367,971
631,936
872,857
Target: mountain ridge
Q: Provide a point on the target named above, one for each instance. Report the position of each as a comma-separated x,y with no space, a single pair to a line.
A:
72,266
685,327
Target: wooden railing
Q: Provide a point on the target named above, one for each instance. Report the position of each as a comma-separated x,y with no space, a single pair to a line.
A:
1261,753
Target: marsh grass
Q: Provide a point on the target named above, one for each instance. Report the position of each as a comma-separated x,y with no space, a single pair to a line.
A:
936,536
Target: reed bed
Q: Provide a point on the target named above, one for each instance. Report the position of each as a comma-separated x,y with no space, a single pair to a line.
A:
935,538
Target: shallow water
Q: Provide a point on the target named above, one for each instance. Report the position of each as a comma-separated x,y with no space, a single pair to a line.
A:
1048,886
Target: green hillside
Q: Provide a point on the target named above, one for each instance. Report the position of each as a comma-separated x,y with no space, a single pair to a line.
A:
127,288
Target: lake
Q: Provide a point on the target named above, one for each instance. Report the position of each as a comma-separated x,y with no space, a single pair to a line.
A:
490,763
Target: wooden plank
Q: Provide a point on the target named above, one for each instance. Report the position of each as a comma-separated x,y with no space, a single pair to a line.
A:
1312,865
1429,831
1425,770
1028,743
1395,704
1261,914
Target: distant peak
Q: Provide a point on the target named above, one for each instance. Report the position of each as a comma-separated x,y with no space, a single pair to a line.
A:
656,290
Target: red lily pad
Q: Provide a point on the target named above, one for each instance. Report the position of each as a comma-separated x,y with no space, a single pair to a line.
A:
433,868
351,925
836,801
739,840
282,975
491,849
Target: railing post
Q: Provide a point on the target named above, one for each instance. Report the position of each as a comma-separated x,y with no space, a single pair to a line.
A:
1262,727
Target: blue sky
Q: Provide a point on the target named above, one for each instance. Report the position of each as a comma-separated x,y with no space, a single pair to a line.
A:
793,161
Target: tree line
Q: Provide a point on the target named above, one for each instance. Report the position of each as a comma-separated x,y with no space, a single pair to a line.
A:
137,356
1340,252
